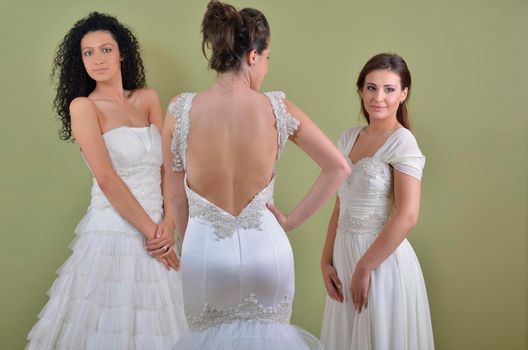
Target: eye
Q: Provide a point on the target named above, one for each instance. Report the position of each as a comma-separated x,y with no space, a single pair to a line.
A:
87,53
371,88
390,89
107,49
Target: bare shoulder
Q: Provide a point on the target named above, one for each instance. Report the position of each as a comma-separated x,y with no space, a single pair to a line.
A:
82,109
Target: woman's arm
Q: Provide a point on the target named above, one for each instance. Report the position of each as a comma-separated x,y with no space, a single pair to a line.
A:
87,133
334,169
174,196
407,195
330,278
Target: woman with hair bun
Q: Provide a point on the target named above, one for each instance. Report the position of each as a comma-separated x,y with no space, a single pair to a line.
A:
376,292
220,148
110,294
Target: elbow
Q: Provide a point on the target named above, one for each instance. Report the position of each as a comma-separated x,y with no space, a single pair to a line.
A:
411,220
342,169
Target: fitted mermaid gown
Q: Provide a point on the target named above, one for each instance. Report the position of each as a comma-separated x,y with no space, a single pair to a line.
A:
237,271
397,316
110,294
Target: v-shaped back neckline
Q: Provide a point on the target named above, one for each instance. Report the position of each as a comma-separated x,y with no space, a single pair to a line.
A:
248,204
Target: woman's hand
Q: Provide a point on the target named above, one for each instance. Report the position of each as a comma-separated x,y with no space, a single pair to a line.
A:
284,220
163,242
332,282
359,288
171,260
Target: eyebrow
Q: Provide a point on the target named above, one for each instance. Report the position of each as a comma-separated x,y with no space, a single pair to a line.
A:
368,83
91,47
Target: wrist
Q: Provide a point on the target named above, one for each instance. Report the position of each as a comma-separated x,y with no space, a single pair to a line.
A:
293,221
326,262
150,230
363,267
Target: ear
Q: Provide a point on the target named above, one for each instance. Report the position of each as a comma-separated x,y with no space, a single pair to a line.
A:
405,92
251,57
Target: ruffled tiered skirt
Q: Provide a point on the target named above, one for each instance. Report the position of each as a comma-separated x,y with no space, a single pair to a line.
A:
110,294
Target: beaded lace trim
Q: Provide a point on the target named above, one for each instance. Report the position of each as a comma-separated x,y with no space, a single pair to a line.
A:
286,123
349,224
249,309
225,224
180,109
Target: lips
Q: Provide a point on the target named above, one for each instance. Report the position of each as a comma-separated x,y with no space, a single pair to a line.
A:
100,70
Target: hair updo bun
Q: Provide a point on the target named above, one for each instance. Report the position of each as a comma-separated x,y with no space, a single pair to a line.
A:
231,34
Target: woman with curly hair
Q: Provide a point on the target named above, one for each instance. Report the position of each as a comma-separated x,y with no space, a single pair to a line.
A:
111,293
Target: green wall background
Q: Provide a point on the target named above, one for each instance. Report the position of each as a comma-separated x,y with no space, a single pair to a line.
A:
468,105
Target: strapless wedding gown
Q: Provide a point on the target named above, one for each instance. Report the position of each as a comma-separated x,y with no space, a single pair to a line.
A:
110,294
237,271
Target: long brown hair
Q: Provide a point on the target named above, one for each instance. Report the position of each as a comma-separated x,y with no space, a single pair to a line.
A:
395,64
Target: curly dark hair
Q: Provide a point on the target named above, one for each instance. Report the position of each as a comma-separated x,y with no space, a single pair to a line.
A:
74,81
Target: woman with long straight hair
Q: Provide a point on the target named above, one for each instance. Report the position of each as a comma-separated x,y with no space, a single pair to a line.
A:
376,293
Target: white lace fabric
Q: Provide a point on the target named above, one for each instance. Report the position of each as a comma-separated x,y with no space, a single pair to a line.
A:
249,309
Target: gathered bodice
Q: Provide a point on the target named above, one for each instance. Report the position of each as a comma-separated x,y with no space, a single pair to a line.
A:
136,157
367,196
250,217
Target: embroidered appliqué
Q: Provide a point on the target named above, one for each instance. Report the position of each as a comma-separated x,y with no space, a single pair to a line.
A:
225,224
249,309
371,168
349,224
180,110
286,123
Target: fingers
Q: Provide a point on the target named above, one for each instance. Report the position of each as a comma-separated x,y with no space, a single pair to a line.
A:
333,292
336,286
360,301
159,230
159,243
273,209
158,253
174,261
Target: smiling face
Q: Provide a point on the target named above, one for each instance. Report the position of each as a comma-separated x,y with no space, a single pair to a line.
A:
382,94
100,55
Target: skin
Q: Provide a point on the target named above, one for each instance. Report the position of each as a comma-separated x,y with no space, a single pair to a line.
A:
381,95
108,107
244,155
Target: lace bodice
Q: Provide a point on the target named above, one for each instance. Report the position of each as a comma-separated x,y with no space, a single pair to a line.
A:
135,154
250,217
366,197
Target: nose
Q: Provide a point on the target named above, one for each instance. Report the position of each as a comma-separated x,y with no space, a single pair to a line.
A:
98,58
379,95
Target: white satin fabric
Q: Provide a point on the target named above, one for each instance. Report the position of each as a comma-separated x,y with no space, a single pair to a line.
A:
237,271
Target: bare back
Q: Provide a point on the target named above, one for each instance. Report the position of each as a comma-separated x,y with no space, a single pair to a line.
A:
232,146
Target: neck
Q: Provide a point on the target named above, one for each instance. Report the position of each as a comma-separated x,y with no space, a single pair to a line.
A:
232,81
383,126
111,90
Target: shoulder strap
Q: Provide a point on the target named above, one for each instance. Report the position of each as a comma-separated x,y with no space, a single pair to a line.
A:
286,123
180,110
